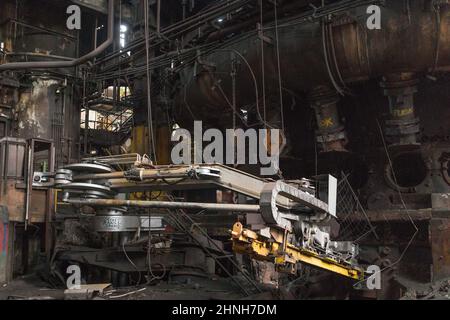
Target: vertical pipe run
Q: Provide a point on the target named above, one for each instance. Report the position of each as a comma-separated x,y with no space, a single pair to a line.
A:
331,132
158,17
402,126
86,116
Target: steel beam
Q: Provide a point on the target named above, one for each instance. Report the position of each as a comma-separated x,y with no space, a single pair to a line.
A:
166,205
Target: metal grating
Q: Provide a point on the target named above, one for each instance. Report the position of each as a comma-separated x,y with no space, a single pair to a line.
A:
353,220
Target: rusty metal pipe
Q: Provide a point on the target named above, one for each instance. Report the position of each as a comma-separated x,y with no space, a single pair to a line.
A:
167,205
72,63
144,174
121,175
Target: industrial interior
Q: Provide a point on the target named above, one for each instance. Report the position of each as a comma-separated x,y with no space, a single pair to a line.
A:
87,124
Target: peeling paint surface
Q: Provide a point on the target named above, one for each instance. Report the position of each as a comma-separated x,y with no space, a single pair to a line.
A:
4,233
34,109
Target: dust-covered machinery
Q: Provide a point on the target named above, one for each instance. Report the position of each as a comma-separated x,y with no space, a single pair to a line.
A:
285,223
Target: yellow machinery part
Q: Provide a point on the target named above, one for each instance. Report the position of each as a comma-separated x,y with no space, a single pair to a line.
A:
141,142
141,145
259,248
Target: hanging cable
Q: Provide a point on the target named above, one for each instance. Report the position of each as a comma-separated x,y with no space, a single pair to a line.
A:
151,136
255,81
416,229
149,97
333,53
233,79
280,84
325,55
263,66
437,10
132,263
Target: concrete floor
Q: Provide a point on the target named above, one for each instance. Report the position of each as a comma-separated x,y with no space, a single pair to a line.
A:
32,288
29,287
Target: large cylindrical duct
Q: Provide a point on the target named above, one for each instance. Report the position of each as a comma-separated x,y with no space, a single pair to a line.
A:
313,53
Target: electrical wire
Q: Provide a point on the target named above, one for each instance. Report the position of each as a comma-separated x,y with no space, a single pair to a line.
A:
232,105
325,56
280,84
151,276
132,263
416,229
252,73
263,65
127,294
437,10
333,53
149,97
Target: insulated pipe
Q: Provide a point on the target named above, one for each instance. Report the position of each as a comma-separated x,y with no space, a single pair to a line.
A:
140,174
122,175
72,63
331,132
167,205
402,127
191,23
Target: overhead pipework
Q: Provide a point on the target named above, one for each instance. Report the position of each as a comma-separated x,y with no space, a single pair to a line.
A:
86,154
71,63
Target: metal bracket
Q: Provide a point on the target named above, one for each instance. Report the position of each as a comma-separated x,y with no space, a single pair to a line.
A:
42,179
204,172
134,175
272,215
